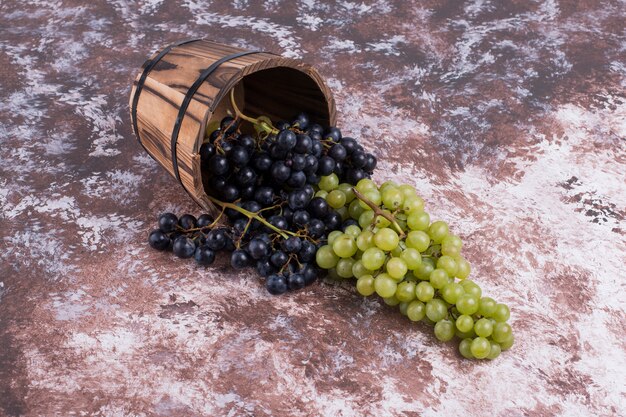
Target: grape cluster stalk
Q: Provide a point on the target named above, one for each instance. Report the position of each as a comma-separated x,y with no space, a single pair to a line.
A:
392,248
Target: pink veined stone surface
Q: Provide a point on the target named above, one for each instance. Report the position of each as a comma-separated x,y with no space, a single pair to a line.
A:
508,117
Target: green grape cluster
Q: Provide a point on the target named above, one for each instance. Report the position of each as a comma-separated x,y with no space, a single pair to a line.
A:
394,250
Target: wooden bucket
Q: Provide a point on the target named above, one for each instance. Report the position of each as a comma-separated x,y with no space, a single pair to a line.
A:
187,85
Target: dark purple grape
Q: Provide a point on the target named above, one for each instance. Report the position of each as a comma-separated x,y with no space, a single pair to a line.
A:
276,284
295,282
204,255
286,140
304,144
279,258
216,239
318,207
184,247
158,240
218,165
187,221
239,156
291,244
338,153
326,165
239,259
168,222
204,220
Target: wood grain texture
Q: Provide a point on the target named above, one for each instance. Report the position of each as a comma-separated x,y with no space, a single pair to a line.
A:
270,85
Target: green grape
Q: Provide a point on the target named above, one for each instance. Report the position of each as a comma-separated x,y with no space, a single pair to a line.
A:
386,239
464,323
353,230
433,250
381,221
384,285
343,211
358,270
436,309
372,195
403,306
448,264
471,288
483,327
411,257
344,246
424,270
373,258
366,218
464,268
334,235
424,291
452,240
417,240
405,291
392,198
326,258
396,268
465,335
397,251
365,240
438,278
480,347
451,292
388,183
444,330
391,301
408,191
418,221
467,304
465,348
416,310
486,306
329,182
413,204
366,184
495,350
344,267
355,210
336,199
438,230
502,313
506,344
365,285
347,190
501,332
321,193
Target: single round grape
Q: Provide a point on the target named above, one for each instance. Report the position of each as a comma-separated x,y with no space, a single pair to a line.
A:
353,230
418,221
159,240
501,313
501,332
506,344
483,327
424,270
438,278
424,291
358,270
444,330
347,190
436,309
448,250
365,240
336,199
366,218
344,246
396,268
413,205
392,198
365,285
495,350
321,193
334,235
464,323
408,191
329,182
386,184
448,264
411,257
391,301
451,292
381,221
480,347
373,258
405,291
417,240
438,231
372,195
326,257
344,267
397,251
366,184
465,348
471,288
384,285
463,268
467,304
486,306
355,210
403,306
386,239
452,240
416,310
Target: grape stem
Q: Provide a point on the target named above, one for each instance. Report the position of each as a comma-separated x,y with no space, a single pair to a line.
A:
378,211
263,125
251,215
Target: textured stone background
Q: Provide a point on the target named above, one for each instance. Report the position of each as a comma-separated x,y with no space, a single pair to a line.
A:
510,119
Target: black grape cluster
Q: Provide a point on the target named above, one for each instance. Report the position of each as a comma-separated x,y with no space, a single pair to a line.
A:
266,185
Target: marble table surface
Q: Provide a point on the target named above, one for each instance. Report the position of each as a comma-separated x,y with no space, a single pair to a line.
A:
509,117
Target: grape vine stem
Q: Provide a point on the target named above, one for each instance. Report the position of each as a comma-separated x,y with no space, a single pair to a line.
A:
378,211
263,125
